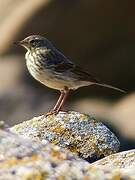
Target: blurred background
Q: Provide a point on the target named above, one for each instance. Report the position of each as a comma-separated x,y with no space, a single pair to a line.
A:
97,35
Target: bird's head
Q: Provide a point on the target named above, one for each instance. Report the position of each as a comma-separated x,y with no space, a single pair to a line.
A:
34,42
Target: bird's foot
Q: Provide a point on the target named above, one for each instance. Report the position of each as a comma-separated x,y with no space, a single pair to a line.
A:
53,112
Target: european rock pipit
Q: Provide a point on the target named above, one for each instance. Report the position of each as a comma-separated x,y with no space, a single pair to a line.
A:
50,67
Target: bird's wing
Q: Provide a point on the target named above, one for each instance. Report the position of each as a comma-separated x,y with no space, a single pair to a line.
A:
83,75
60,64
63,64
57,61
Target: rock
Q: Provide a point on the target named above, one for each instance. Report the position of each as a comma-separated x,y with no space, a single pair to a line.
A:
117,113
25,159
123,160
117,166
104,173
79,133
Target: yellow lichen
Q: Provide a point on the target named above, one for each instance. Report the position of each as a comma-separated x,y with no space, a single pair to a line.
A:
86,178
17,161
56,154
116,175
57,129
35,174
73,149
54,141
60,178
83,117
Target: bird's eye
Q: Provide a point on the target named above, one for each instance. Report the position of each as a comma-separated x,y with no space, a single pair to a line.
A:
32,42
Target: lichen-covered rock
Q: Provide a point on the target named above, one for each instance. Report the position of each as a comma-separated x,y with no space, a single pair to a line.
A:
25,159
125,159
117,166
77,132
104,173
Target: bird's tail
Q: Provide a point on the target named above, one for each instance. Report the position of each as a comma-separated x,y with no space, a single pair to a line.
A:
111,87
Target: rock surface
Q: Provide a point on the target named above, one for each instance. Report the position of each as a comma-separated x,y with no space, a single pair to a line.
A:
125,159
79,133
25,159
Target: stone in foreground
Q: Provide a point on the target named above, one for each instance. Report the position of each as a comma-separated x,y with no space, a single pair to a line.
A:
25,159
79,133
123,160
118,166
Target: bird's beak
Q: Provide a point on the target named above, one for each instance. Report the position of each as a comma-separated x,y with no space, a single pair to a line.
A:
19,43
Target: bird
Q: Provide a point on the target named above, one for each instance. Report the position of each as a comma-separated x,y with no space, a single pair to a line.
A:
54,70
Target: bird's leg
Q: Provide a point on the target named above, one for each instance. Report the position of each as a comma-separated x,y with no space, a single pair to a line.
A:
54,110
66,91
60,102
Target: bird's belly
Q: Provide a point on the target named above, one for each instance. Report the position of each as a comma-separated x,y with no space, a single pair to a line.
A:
50,79
54,82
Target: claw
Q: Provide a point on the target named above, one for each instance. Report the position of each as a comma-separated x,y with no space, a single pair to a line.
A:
51,113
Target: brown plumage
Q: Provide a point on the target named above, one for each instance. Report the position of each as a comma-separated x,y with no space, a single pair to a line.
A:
49,66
